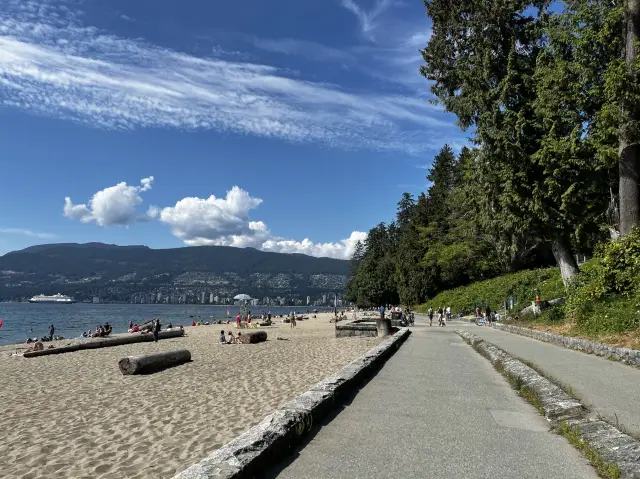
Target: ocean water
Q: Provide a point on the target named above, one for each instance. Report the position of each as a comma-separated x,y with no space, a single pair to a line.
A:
24,320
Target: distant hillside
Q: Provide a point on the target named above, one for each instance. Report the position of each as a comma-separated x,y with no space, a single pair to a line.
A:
117,272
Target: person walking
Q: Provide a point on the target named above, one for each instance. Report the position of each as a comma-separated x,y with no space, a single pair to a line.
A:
52,330
430,316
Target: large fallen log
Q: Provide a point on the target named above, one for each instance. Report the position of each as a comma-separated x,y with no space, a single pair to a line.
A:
106,343
251,337
151,363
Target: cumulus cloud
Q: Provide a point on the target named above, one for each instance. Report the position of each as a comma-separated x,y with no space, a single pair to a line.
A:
113,206
214,221
226,222
342,249
53,64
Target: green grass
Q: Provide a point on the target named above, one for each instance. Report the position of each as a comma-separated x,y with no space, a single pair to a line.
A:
602,467
522,285
591,313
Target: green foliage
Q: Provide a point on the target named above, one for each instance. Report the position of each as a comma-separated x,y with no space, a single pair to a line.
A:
522,286
605,297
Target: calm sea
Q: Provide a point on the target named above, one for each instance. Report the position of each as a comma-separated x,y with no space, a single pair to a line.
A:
23,320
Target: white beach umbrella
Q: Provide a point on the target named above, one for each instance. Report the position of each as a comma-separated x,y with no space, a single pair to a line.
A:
242,297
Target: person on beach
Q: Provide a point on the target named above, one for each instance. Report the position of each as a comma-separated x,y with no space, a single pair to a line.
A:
249,317
238,320
230,338
155,326
52,330
223,340
130,324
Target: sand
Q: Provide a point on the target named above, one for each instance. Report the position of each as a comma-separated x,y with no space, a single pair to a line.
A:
75,415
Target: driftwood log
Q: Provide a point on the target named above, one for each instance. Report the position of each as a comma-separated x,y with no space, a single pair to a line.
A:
106,343
251,337
151,363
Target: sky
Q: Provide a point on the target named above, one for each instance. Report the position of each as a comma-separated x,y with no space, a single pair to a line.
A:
289,126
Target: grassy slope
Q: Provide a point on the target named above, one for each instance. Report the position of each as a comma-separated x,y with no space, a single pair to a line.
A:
613,319
523,286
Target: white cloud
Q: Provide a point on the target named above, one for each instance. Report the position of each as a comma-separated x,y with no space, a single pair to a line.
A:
342,249
367,20
225,222
52,64
312,50
214,221
202,221
27,232
113,206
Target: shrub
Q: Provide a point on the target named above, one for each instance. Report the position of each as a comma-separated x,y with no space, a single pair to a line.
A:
522,286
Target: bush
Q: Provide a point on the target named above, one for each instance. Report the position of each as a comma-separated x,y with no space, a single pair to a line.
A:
523,286
605,297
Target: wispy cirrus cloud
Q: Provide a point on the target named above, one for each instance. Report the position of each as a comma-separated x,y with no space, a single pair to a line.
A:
313,50
52,64
367,19
27,232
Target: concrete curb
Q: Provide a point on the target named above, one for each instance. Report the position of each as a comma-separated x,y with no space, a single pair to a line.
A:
624,355
256,450
557,404
613,445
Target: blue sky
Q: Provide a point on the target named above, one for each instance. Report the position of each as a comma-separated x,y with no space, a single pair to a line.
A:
287,125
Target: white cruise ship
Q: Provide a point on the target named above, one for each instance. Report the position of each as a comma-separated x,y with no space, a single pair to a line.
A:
56,298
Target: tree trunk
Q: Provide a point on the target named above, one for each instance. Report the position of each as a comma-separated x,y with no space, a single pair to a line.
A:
629,150
153,362
566,261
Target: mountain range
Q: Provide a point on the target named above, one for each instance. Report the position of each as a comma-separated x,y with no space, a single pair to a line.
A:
117,273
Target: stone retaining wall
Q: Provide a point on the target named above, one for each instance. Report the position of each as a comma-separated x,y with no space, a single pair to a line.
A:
359,327
260,448
625,355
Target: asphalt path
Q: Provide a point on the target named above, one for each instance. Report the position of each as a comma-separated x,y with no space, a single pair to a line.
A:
437,409
608,388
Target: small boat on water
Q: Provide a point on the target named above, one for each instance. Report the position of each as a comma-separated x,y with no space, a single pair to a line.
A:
56,299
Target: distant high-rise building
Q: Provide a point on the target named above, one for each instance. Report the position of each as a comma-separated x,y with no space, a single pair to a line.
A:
203,297
211,298
216,299
324,299
159,297
308,300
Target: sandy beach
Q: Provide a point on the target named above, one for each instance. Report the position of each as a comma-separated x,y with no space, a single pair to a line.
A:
75,415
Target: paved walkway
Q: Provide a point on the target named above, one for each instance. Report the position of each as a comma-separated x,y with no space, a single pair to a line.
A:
437,409
609,388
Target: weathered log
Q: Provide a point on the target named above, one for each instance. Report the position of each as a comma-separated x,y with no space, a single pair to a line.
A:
106,343
151,363
251,337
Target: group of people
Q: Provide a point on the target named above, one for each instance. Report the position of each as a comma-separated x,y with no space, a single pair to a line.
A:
101,331
486,316
443,314
230,338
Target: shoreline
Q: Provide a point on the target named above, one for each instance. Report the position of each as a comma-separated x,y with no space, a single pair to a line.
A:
76,415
